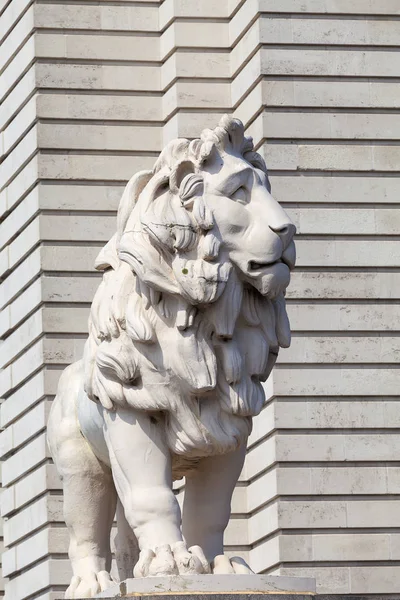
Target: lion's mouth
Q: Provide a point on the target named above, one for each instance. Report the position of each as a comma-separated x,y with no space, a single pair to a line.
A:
288,258
256,266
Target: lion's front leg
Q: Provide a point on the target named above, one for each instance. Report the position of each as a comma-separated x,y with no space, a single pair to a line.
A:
207,508
141,466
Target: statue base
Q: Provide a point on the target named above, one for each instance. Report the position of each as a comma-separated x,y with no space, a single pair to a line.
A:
232,587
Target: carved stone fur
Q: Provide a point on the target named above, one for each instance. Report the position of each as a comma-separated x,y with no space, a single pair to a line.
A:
175,314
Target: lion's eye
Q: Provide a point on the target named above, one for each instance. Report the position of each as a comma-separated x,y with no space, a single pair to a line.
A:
240,195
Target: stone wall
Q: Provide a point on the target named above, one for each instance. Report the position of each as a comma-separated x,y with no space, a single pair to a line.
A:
91,92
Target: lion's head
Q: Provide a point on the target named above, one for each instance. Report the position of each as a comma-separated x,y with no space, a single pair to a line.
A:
191,313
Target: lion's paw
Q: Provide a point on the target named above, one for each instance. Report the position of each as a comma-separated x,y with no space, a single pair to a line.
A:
174,559
222,565
89,585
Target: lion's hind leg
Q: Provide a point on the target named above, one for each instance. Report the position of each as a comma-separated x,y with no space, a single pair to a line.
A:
89,493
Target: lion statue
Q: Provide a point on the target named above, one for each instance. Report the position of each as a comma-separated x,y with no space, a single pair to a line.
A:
185,325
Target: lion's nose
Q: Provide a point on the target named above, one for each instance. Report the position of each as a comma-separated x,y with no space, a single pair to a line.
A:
286,233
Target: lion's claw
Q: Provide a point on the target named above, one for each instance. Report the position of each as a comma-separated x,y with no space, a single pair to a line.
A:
174,559
222,565
89,586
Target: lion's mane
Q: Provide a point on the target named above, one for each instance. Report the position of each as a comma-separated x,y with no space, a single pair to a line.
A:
173,329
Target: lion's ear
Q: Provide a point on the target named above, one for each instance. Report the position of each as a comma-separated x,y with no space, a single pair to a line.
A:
184,182
192,185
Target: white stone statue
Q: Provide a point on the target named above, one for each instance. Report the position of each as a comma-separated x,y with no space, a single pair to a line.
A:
185,325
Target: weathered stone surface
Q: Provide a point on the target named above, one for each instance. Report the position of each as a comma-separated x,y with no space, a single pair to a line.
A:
234,586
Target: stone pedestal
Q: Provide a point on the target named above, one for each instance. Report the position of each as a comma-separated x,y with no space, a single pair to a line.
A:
237,587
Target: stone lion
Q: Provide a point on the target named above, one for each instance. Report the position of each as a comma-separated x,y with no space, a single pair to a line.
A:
185,325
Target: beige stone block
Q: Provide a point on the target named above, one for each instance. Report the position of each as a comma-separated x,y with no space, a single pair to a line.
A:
21,184
198,94
344,547
25,428
375,579
11,15
29,331
346,414
296,548
342,317
28,488
260,458
108,107
247,44
386,7
70,289
316,31
92,167
309,447
100,137
331,62
382,513
18,218
18,65
17,97
331,349
236,533
196,34
96,76
263,425
65,320
195,64
23,244
18,127
18,157
25,303
372,446
62,351
386,158
264,555
250,105
263,523
20,278
261,490
45,510
251,72
334,157
350,285
24,366
242,19
22,399
367,221
79,259
39,577
99,228
84,198
327,189
112,17
298,514
95,47
324,125
348,480
24,460
394,546
281,156
347,253
192,9
330,580
332,382
38,546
